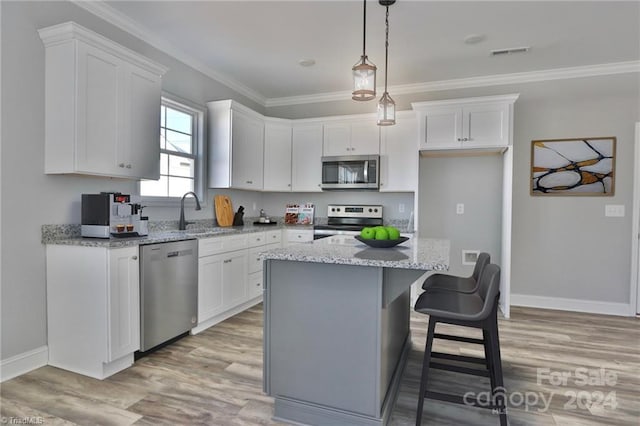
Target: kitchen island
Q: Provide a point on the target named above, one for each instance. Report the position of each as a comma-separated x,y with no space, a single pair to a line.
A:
336,330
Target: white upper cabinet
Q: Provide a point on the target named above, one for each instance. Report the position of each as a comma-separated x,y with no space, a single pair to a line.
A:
351,137
277,156
102,106
306,153
471,123
236,146
399,154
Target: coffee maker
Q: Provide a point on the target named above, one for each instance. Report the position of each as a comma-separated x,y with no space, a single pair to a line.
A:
110,214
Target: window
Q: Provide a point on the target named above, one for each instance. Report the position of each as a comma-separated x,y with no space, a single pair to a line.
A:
181,131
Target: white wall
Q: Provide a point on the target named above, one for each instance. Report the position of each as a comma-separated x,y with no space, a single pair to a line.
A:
476,182
564,247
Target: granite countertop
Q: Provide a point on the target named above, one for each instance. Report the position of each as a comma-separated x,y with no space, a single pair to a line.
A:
70,235
426,254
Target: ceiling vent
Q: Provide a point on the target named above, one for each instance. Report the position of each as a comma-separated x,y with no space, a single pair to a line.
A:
511,51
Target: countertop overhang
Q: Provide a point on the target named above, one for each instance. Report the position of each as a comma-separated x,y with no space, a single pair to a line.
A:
428,254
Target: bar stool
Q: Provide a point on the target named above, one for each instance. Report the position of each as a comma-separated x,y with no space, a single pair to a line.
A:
455,283
476,310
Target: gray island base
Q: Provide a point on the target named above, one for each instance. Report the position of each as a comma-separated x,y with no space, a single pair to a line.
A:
336,330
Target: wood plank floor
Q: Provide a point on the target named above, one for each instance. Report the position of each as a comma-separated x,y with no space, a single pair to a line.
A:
215,378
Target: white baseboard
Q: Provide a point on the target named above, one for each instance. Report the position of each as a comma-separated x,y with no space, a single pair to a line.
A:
573,305
23,363
225,315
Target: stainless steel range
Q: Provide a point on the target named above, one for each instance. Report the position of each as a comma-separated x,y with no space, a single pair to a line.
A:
348,219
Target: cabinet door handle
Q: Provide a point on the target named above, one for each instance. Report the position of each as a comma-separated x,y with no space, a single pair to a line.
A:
228,260
128,166
121,165
134,257
249,182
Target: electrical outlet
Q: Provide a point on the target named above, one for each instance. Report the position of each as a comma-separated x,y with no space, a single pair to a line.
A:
614,210
401,207
459,208
470,257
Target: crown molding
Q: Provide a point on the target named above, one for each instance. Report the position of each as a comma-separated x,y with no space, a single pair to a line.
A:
114,17
70,31
485,81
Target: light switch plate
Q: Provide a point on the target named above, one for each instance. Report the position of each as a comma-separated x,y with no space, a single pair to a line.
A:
459,208
614,210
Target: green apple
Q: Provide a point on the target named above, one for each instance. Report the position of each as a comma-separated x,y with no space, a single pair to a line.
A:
368,233
393,232
382,234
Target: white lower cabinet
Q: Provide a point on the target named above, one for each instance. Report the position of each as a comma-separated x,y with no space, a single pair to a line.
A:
230,274
93,308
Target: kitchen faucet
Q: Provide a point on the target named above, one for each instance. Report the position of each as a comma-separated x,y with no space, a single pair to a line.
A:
182,224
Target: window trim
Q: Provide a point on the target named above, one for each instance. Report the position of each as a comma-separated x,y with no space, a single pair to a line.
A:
200,188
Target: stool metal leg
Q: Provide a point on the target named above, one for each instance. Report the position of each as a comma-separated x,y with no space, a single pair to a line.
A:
425,369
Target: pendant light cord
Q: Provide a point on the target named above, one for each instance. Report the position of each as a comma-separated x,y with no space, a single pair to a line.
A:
364,29
386,51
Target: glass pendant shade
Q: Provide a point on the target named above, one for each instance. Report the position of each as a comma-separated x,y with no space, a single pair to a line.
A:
386,111
364,80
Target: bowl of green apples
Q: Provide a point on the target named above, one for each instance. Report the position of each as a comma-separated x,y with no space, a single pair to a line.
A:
381,236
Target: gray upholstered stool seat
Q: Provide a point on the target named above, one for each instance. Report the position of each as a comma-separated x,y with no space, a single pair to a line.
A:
446,304
476,310
455,283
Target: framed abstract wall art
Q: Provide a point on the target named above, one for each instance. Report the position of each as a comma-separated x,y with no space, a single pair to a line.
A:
581,166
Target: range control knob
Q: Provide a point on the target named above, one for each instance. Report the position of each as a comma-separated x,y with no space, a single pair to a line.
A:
375,210
338,209
370,210
333,209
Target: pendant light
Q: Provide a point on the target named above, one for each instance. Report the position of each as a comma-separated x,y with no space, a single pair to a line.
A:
386,106
364,71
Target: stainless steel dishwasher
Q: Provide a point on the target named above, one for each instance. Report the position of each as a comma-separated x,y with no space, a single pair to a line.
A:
168,291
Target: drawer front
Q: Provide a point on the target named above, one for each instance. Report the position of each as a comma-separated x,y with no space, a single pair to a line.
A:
294,236
255,284
273,237
255,264
256,239
217,245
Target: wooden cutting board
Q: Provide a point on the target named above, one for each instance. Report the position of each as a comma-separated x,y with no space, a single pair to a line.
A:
224,210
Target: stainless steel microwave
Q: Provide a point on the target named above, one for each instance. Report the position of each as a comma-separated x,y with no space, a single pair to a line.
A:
351,172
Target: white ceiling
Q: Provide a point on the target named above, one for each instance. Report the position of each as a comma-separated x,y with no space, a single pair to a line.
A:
256,45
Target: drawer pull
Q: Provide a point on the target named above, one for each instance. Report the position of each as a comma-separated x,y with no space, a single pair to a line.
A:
228,261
